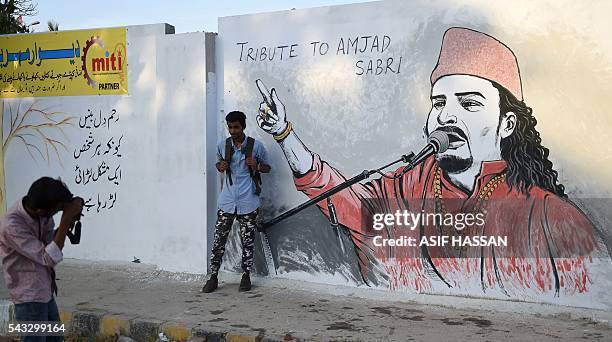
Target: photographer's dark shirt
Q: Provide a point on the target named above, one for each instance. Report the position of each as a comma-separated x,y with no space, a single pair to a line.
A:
28,255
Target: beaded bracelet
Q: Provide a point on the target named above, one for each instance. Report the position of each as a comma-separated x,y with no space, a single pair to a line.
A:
280,137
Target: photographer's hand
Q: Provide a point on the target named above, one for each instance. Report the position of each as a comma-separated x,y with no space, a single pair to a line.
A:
71,212
73,209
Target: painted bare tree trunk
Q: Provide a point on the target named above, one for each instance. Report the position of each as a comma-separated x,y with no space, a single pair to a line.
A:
2,180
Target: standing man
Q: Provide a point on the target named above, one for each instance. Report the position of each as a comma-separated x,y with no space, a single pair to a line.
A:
30,249
242,159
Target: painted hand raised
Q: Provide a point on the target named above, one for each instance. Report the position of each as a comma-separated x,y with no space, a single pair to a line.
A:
271,116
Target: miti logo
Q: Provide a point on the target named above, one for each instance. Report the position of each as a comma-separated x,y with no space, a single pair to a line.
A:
106,64
103,68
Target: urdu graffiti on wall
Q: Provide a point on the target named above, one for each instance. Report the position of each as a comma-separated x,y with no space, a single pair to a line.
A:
98,159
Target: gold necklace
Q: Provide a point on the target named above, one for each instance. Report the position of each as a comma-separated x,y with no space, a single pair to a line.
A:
483,195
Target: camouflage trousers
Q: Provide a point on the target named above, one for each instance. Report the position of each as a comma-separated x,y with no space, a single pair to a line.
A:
248,228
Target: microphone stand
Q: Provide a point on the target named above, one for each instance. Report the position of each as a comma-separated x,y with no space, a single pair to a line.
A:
270,263
406,158
438,141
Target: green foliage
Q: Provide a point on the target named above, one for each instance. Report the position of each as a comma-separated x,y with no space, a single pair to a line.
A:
11,14
52,25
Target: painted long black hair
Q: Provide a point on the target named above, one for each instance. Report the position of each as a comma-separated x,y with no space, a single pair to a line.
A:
527,159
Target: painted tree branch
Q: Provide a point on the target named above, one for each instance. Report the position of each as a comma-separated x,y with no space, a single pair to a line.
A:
21,130
28,146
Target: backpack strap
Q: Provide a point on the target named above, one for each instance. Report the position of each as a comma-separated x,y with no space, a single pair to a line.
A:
248,151
229,151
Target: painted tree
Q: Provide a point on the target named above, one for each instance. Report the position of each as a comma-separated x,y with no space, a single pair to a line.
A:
31,127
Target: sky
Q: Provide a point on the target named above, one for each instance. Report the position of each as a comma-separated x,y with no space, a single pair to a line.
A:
185,16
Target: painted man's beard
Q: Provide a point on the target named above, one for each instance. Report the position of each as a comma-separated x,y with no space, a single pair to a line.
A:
454,164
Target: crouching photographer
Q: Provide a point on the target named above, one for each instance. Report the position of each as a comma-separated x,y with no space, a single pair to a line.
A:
30,248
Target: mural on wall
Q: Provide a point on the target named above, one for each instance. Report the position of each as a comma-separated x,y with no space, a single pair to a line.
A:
101,155
524,234
35,127
91,167
81,62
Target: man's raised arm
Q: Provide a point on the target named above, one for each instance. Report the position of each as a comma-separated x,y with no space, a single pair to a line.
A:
312,175
273,120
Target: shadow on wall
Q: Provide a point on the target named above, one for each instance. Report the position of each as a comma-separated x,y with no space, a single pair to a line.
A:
306,243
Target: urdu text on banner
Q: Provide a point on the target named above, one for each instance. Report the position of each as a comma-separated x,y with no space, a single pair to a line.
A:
71,63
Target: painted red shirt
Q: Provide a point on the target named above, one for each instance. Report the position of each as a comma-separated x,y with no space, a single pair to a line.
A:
549,247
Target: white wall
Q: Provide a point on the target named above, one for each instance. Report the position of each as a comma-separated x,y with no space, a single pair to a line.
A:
181,86
358,121
160,212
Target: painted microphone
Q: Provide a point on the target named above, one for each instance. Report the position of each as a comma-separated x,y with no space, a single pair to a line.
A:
437,142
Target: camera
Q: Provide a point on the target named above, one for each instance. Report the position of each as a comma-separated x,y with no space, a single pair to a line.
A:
74,233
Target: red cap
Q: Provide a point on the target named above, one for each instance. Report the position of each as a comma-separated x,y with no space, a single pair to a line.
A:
469,52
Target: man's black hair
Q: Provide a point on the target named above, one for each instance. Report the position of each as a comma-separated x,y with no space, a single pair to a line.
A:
526,157
236,116
47,193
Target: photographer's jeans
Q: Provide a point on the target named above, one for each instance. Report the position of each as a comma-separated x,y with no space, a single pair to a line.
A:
46,312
